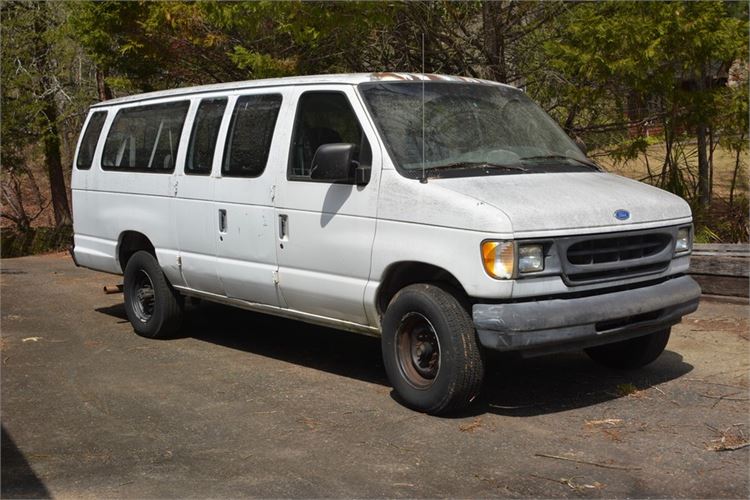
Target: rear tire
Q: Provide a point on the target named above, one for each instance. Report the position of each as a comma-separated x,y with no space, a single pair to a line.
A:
632,353
153,307
430,350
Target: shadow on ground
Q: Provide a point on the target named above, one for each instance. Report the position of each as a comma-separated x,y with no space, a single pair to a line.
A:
513,386
17,479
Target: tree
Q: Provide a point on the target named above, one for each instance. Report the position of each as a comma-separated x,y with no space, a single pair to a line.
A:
30,93
610,71
114,36
142,46
665,57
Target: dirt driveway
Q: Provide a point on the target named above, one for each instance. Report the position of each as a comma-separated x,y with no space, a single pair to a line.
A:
247,405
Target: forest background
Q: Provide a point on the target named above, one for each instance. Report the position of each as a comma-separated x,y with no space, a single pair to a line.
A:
657,90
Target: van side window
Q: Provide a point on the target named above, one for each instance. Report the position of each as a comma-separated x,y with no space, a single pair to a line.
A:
323,118
200,155
145,138
90,140
250,134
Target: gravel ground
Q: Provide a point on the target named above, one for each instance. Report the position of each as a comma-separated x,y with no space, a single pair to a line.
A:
247,405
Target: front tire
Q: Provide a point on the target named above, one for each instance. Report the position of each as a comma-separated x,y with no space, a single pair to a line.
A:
430,350
632,353
153,307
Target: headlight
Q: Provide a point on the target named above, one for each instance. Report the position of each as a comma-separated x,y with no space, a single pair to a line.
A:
682,243
530,258
499,258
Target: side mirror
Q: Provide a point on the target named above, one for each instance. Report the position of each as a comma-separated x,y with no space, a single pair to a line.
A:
334,162
581,145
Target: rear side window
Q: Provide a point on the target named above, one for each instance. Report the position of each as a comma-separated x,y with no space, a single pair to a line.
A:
206,125
323,118
145,138
250,134
90,140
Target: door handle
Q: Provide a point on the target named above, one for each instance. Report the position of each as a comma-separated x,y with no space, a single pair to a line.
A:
222,220
283,227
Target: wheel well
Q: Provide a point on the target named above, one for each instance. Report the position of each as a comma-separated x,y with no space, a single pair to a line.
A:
130,243
402,274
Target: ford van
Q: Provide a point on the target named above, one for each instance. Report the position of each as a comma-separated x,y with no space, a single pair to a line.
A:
446,215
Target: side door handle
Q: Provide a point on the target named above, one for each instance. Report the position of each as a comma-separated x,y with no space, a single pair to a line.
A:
222,220
283,227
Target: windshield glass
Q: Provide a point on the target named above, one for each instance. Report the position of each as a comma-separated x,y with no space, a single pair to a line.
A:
490,128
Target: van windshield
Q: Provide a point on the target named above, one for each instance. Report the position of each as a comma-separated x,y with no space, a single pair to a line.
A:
461,129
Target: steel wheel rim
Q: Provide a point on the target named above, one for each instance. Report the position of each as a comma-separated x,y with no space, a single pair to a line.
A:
143,299
417,350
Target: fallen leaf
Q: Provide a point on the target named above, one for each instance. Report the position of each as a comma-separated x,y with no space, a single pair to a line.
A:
729,439
628,389
471,426
613,434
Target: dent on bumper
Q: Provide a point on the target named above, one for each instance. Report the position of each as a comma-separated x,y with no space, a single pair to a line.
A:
561,324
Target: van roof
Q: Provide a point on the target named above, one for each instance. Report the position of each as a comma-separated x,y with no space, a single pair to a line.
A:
344,78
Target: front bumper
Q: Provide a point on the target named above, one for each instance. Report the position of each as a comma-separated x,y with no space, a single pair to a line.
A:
554,325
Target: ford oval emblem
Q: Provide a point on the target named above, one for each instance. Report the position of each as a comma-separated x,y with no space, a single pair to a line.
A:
622,214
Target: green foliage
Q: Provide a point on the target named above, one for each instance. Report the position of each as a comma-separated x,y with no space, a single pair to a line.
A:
38,61
34,241
652,49
149,45
115,36
262,65
723,223
609,71
23,122
663,65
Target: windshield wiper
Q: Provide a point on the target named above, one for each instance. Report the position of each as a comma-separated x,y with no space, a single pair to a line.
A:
564,157
439,171
479,164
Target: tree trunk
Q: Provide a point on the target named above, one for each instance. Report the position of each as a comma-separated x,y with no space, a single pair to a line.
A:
667,165
704,187
50,134
704,173
105,93
711,147
736,170
570,120
53,160
493,49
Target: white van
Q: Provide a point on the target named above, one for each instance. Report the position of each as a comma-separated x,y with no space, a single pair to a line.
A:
446,215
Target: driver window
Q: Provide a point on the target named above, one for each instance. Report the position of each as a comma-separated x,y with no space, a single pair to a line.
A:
324,118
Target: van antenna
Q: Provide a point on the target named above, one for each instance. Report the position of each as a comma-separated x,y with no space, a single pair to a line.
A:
423,180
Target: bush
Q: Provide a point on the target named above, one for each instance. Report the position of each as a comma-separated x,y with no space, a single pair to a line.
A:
723,223
34,241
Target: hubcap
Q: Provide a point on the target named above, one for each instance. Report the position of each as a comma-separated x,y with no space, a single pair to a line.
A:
143,300
418,350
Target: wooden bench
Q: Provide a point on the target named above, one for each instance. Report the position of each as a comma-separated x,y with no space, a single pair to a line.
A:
722,269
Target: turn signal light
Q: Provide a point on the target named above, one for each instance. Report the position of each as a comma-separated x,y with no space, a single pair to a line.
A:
499,258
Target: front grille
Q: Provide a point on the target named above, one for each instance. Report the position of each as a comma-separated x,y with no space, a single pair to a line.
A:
621,248
622,272
595,259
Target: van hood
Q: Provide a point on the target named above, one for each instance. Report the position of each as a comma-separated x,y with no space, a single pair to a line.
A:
579,200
